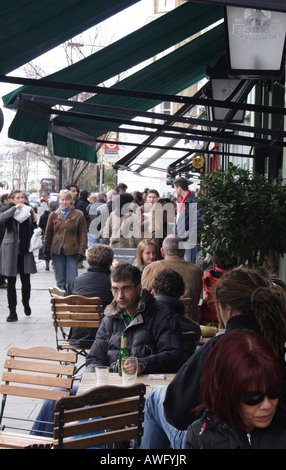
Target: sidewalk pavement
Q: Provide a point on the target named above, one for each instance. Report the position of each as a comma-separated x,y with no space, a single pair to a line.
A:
35,330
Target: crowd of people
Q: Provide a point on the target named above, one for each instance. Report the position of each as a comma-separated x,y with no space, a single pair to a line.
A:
230,392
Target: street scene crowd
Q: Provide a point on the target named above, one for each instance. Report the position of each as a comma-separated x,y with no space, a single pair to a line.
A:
229,394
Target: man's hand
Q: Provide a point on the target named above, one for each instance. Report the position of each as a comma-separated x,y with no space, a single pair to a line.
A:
140,368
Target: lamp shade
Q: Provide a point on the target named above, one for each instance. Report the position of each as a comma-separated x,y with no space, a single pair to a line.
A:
255,42
224,88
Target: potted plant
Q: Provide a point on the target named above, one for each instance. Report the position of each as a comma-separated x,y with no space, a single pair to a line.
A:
244,216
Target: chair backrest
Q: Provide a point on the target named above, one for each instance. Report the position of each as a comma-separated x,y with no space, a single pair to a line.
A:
190,341
102,416
76,311
32,372
188,307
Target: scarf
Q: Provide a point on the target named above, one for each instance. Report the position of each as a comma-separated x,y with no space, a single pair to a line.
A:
65,212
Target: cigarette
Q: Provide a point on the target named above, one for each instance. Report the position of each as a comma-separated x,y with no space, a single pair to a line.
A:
156,377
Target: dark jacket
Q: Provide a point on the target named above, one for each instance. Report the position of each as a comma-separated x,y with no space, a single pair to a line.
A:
93,283
186,324
218,435
44,219
153,336
178,309
16,241
186,383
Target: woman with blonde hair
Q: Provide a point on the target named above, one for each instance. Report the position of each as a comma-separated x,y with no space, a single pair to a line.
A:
147,252
65,241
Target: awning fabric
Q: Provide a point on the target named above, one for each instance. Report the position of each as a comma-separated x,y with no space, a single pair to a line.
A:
30,28
153,38
171,74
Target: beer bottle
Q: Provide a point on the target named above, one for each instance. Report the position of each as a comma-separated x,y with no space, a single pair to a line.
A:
123,352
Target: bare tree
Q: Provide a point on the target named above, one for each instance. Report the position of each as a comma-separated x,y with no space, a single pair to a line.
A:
75,49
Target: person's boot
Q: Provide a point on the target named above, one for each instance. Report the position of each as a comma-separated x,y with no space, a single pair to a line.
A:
47,268
12,316
27,309
12,304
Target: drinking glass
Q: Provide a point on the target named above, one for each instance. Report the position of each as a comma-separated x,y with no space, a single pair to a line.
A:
129,371
102,374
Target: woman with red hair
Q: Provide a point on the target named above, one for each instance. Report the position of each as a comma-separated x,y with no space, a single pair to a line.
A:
241,384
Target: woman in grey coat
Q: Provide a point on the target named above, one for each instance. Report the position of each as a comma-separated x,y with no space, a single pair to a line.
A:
14,252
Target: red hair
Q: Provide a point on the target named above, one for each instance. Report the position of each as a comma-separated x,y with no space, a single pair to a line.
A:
241,361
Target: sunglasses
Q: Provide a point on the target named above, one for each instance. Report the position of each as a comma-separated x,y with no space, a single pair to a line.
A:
254,398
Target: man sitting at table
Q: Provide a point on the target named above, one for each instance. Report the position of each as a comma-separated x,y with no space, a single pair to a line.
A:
153,332
153,335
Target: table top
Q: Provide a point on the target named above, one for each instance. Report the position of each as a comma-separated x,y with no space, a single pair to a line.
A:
89,380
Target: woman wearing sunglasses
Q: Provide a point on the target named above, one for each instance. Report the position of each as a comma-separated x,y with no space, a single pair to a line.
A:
245,299
241,384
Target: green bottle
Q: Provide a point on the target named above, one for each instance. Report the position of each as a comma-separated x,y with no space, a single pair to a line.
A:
123,352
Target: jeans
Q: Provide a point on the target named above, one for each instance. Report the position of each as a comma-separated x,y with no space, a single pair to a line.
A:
158,433
91,240
65,269
44,423
191,254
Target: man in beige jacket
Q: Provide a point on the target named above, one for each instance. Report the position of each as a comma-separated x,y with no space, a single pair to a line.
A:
173,259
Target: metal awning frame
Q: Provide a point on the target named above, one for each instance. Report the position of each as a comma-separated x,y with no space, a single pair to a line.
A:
90,116
38,105
133,94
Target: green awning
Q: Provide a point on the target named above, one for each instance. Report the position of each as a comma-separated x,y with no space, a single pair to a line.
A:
171,74
31,28
153,38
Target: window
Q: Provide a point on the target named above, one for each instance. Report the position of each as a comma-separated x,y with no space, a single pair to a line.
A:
166,5
163,108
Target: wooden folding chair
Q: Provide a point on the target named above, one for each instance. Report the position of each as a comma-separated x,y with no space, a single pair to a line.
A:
190,342
32,373
74,311
102,416
188,307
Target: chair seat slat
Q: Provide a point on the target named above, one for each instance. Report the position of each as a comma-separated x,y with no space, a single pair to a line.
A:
47,354
33,392
29,379
19,441
40,367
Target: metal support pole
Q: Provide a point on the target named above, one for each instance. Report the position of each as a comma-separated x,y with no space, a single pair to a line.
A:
282,263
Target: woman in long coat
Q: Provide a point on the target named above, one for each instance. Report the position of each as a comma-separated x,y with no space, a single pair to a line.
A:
14,251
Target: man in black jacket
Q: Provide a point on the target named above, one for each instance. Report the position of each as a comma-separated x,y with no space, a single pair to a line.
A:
153,335
153,332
